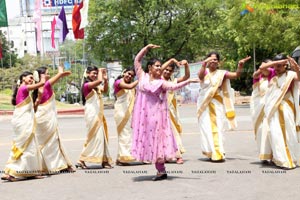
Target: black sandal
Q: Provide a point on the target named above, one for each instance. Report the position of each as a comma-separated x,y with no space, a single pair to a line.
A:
81,165
160,177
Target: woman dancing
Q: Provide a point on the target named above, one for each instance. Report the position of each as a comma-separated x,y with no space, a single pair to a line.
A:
153,138
124,88
96,146
215,106
54,158
24,160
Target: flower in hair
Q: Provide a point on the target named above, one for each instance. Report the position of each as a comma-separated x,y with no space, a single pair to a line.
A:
36,76
85,73
122,74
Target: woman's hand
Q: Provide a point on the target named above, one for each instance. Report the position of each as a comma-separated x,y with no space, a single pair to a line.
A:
194,80
152,46
294,64
62,72
242,62
104,73
209,60
183,62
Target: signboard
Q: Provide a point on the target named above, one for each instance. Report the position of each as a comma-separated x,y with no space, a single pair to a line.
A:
52,53
59,3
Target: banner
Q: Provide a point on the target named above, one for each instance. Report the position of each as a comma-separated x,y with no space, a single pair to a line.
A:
3,14
59,3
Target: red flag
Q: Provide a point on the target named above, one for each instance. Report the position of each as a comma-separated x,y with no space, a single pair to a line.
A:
76,20
53,23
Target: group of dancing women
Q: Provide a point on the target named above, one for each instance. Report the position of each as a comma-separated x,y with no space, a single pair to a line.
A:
147,119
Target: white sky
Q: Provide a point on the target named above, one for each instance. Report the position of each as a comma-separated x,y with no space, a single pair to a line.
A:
12,8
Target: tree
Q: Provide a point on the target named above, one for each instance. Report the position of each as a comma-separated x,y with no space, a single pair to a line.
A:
119,29
270,29
8,58
190,29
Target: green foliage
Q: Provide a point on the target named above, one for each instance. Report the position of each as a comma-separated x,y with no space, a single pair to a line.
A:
123,27
9,57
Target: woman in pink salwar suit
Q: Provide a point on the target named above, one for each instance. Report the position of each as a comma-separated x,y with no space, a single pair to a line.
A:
153,139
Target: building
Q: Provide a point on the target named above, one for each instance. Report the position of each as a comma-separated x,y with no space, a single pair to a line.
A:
21,32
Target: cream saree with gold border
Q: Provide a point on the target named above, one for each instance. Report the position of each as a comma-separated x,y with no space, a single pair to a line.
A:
96,146
175,121
24,160
54,157
122,115
282,113
215,110
261,128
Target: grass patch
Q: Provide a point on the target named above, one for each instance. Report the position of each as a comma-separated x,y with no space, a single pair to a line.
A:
5,103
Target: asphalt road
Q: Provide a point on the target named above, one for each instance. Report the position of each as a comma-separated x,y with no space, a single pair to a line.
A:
242,176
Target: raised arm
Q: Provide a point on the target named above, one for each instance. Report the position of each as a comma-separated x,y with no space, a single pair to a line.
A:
272,63
93,84
105,79
139,57
167,85
39,84
169,62
186,71
295,67
61,73
264,71
207,61
238,72
131,85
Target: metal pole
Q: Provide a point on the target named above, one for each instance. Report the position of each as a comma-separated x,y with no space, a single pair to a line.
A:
9,46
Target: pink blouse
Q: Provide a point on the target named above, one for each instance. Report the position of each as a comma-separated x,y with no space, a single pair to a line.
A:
86,89
116,86
47,93
271,75
22,94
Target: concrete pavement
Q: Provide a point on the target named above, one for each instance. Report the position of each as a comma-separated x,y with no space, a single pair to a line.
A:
242,176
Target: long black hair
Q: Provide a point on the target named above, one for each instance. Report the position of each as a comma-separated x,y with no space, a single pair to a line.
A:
87,79
40,70
20,80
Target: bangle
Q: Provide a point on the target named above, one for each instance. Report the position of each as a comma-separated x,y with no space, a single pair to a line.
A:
203,64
